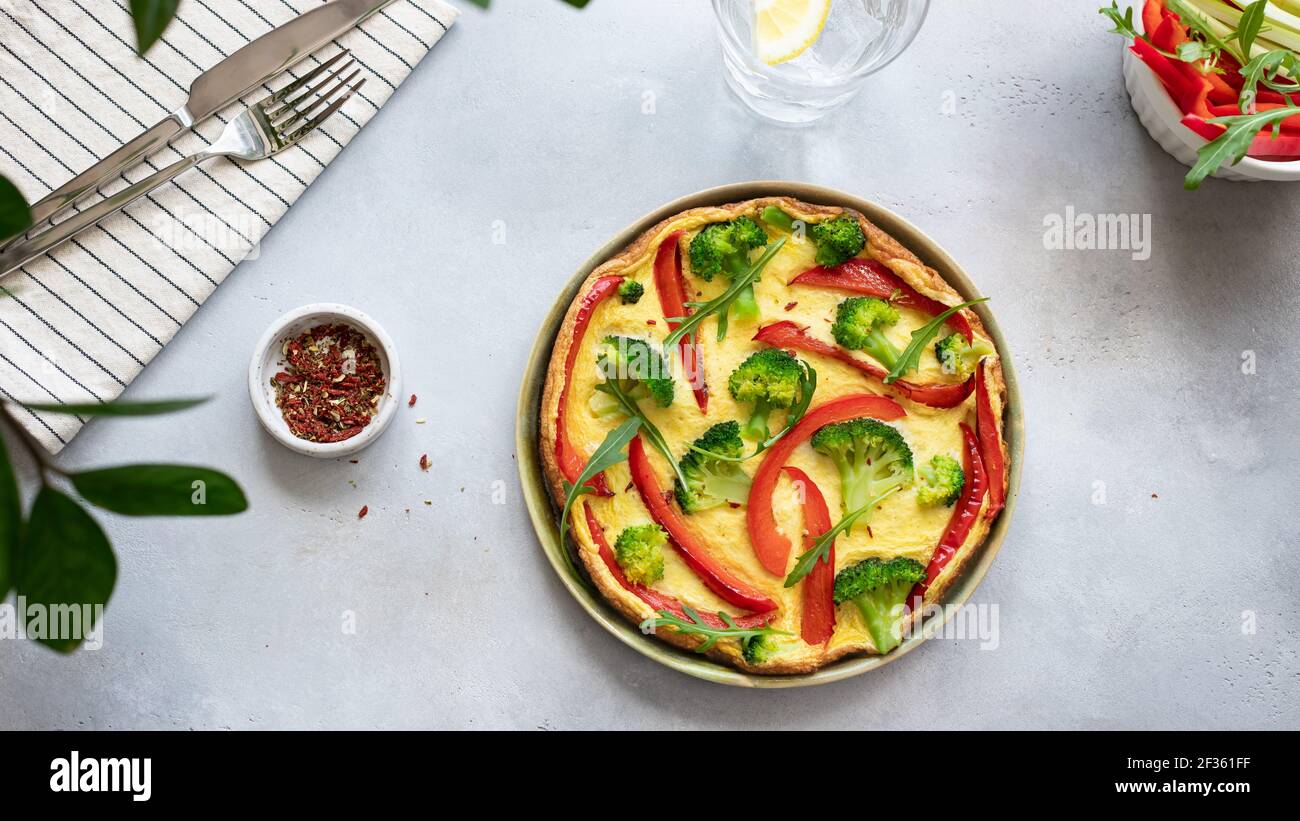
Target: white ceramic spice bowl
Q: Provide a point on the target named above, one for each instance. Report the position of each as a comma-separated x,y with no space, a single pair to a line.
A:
268,360
1163,121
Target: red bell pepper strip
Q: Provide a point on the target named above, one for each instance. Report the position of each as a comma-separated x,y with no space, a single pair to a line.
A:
995,465
718,578
772,548
963,515
571,462
1289,125
872,278
1263,145
786,334
1175,82
1152,14
818,622
652,597
672,300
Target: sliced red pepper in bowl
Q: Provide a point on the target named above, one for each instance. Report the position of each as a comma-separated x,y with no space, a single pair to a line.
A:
1152,15
818,623
700,559
652,597
572,462
771,547
872,278
786,334
672,300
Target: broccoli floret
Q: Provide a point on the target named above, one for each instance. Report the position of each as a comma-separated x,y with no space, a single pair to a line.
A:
941,482
872,458
637,369
858,322
759,649
837,240
879,589
777,218
640,552
630,291
770,379
709,481
724,247
957,356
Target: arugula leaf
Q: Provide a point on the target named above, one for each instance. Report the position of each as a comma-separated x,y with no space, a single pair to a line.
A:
151,19
697,626
633,410
1231,146
1263,68
15,215
722,302
610,452
821,548
910,359
1250,24
161,490
1123,20
118,408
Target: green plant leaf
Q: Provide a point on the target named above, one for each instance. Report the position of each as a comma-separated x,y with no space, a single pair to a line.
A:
722,302
151,20
910,359
119,408
15,215
1250,24
64,561
611,452
11,520
161,490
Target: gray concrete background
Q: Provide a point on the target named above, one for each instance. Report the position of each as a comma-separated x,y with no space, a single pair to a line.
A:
1122,614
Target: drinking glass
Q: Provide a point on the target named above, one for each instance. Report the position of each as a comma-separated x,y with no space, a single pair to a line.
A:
860,38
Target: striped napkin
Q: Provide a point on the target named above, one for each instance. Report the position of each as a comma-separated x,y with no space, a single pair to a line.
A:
78,325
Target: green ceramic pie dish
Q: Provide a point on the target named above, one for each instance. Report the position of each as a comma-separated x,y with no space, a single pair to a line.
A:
545,516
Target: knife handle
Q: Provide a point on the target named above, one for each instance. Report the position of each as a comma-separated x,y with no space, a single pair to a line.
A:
16,255
104,170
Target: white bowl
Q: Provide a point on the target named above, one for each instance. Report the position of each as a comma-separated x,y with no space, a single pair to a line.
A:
268,359
1163,121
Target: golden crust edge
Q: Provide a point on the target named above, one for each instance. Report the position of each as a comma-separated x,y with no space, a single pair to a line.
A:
882,247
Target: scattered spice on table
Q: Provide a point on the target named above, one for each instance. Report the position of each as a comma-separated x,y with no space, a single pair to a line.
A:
331,385
361,514
411,404
424,461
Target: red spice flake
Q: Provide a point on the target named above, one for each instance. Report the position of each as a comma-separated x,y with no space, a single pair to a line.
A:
870,535
355,461
628,488
361,514
734,505
424,461
411,404
789,306
651,322
331,384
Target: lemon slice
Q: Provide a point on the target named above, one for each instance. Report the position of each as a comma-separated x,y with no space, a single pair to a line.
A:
784,29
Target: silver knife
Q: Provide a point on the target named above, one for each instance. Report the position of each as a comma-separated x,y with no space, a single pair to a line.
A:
219,86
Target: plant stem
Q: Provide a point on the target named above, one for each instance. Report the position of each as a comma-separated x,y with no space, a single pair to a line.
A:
34,448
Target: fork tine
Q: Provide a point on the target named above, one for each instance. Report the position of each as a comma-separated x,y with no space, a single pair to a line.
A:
306,78
299,114
326,114
287,106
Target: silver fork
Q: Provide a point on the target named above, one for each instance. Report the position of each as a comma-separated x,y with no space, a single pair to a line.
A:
264,129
